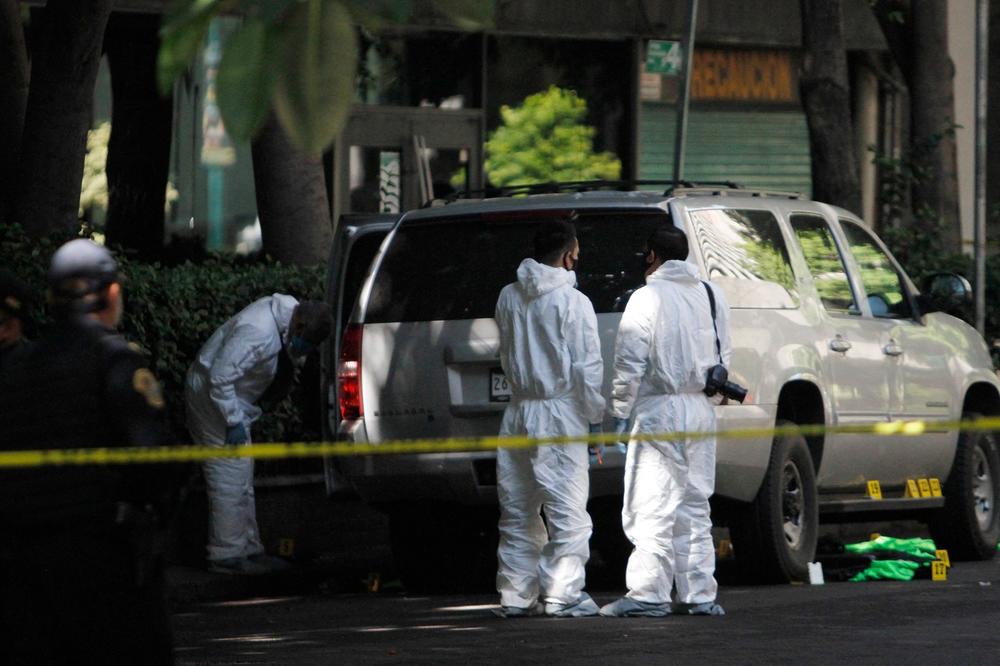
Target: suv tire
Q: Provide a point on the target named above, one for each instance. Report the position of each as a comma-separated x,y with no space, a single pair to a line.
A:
774,536
969,524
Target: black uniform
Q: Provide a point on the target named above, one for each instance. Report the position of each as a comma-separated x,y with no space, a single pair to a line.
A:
13,353
80,581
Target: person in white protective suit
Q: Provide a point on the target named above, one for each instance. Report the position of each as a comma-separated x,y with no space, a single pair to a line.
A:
665,346
551,355
248,361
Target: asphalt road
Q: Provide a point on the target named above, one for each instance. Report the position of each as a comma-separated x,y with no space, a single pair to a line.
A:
921,621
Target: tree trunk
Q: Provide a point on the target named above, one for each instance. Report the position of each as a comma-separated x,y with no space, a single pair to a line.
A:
139,148
932,113
827,101
13,98
60,100
291,199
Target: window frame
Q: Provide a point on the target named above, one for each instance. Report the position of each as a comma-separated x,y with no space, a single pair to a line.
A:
909,290
846,261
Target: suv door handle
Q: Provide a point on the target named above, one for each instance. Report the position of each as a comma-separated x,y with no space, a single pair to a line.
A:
892,349
840,344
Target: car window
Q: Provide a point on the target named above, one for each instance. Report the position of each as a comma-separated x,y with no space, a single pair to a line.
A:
362,250
825,263
454,268
882,282
745,253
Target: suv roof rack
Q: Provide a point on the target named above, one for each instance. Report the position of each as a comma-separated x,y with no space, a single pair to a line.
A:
705,189
577,186
671,188
544,188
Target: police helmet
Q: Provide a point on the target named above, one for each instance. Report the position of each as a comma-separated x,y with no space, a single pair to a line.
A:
78,269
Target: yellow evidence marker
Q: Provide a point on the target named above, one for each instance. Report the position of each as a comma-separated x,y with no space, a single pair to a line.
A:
942,555
874,490
925,487
939,570
911,488
936,488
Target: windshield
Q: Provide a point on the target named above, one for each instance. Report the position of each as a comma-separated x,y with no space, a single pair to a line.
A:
454,268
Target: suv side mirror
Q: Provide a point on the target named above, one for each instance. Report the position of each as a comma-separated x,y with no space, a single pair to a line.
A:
945,292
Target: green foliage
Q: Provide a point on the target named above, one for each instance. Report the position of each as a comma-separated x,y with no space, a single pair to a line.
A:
297,56
94,189
314,93
246,78
545,140
171,311
898,176
920,253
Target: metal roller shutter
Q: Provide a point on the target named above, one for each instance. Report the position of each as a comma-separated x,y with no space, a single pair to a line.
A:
761,149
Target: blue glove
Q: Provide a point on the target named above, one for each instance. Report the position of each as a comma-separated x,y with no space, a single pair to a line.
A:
622,430
237,434
596,450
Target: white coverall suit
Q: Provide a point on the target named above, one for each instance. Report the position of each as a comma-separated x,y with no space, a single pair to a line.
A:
229,375
551,354
664,348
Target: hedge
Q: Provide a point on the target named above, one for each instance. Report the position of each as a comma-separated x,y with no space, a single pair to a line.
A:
171,310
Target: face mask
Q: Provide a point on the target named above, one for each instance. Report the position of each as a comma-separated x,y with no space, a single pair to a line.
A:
299,346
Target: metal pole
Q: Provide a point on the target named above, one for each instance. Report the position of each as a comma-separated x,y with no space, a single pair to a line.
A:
687,52
979,216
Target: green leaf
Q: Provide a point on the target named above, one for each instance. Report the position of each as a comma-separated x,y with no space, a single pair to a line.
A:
376,14
268,10
468,14
247,74
314,93
181,37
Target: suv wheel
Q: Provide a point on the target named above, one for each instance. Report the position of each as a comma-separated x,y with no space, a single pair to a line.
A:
441,547
774,537
969,524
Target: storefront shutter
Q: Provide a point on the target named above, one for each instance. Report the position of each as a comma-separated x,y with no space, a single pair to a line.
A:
758,149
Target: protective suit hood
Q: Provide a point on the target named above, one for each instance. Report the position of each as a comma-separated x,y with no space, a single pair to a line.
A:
282,307
676,270
537,279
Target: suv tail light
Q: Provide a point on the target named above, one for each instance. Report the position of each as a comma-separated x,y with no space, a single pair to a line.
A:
349,374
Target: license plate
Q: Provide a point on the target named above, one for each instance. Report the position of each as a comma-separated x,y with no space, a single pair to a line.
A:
499,388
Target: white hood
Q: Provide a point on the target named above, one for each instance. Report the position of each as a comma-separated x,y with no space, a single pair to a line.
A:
537,279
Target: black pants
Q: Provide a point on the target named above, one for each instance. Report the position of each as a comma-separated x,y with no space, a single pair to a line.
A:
72,596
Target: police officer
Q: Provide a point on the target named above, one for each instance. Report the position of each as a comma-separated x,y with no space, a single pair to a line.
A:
14,320
79,581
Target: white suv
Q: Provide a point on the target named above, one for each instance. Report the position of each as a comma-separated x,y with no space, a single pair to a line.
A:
826,329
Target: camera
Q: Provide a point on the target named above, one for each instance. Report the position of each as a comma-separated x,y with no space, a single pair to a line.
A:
717,381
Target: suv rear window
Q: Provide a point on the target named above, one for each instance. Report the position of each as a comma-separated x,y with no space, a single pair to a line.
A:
746,255
454,268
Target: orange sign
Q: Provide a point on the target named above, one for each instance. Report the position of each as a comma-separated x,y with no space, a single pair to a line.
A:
745,76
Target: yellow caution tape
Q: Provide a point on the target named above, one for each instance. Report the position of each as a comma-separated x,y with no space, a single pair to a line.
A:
197,453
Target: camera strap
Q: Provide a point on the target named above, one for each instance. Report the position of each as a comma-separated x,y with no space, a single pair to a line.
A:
711,303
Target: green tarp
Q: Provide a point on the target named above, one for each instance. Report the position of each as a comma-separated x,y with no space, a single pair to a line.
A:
918,553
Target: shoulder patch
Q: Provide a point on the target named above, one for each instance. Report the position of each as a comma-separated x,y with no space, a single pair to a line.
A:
145,384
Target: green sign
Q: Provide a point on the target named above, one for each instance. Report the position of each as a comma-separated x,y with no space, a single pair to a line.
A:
663,57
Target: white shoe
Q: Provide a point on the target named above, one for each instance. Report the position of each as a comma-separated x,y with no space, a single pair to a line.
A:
707,608
629,607
582,607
